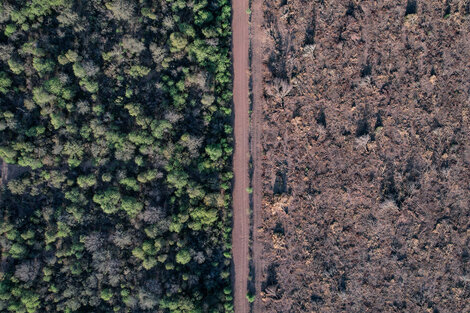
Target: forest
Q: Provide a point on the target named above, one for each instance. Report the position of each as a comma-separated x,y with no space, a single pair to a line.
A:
115,126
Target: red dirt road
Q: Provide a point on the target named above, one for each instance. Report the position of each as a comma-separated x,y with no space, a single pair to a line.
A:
241,203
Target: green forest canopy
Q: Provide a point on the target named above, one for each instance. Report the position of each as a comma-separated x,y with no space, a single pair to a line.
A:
116,116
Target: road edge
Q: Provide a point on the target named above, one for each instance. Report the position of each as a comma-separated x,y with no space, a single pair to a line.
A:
256,152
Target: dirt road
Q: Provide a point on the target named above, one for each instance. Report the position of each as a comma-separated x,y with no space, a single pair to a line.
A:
241,223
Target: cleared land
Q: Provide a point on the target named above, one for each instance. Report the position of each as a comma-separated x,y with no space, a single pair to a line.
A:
241,202
365,156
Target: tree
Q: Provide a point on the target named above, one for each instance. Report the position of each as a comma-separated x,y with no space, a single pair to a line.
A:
78,70
27,161
180,304
132,45
75,152
177,179
147,176
31,301
137,71
10,29
27,271
8,154
41,97
5,82
106,294
17,251
130,183
131,206
86,181
183,257
16,67
214,152
122,9
43,66
178,42
108,200
202,216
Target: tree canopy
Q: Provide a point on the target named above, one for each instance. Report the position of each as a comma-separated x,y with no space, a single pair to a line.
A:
116,118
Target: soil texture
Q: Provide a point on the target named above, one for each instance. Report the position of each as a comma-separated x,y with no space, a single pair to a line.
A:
365,156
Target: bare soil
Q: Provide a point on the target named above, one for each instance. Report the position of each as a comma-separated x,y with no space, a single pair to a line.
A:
256,37
241,203
365,156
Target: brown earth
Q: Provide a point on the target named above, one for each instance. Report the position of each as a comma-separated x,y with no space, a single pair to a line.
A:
241,204
256,36
365,139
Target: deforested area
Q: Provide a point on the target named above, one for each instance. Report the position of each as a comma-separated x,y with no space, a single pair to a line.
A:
115,130
365,156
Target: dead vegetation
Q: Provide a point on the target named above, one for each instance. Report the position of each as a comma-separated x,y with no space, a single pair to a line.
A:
366,156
